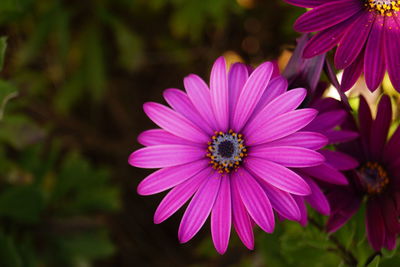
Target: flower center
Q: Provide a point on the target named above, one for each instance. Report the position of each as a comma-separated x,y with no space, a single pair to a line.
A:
226,151
383,7
374,178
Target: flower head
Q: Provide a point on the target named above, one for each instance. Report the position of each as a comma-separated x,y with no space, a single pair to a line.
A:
366,31
377,179
230,148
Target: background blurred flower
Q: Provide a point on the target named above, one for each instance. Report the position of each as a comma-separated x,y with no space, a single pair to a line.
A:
366,32
377,178
231,147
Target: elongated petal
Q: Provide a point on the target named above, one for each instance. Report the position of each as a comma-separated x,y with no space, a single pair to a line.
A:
326,173
278,176
303,210
166,178
339,136
241,219
199,93
326,121
276,87
317,198
392,56
282,202
352,73
365,120
339,160
221,216
199,209
254,199
310,140
288,156
325,40
251,94
165,156
237,77
155,137
375,66
178,196
375,225
344,204
354,40
173,122
327,15
181,103
219,93
380,127
392,148
279,127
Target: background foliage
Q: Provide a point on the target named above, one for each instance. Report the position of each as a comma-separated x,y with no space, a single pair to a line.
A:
74,76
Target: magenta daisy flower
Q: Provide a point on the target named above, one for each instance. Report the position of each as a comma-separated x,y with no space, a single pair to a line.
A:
229,148
377,179
367,34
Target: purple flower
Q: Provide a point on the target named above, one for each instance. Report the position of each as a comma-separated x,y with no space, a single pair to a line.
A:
367,34
377,179
229,148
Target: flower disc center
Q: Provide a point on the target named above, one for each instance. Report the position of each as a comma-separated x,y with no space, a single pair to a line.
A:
226,151
373,177
383,7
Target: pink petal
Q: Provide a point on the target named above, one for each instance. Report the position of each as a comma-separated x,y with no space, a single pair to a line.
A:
275,88
339,160
278,176
178,196
310,140
199,208
221,216
317,198
326,173
354,40
181,103
241,219
166,178
175,123
340,136
199,94
254,199
283,103
280,126
326,121
327,15
165,156
374,67
237,77
303,210
251,94
306,3
288,156
282,202
352,73
155,137
219,93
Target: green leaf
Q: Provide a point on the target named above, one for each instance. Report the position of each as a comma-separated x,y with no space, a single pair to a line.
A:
22,204
7,92
375,262
8,252
3,46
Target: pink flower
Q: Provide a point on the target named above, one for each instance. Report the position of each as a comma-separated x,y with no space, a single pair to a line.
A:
229,148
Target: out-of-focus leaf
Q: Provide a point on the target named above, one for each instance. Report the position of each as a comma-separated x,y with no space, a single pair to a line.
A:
375,262
8,252
95,72
19,131
22,204
7,92
86,246
3,46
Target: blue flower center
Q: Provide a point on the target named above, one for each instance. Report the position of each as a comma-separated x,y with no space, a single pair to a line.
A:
226,151
373,178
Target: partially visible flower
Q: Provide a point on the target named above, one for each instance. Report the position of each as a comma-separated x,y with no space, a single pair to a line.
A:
229,149
367,33
377,179
331,114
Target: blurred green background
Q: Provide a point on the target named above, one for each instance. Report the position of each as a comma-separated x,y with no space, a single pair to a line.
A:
74,77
